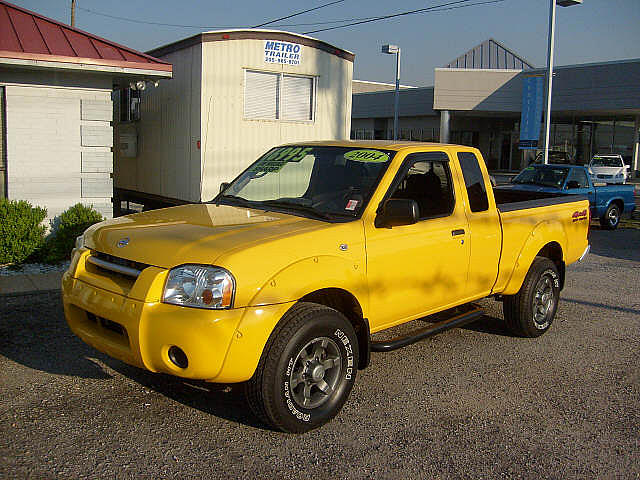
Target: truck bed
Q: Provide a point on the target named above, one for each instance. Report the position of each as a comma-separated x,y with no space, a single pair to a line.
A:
522,219
508,200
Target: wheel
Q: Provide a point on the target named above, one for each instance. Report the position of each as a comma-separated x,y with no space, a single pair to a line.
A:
611,217
306,371
529,312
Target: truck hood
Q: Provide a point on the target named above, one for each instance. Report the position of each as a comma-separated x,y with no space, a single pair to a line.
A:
197,233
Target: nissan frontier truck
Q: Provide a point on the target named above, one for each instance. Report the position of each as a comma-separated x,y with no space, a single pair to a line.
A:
281,280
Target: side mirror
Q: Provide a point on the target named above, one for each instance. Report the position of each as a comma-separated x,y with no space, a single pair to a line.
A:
573,184
398,211
223,186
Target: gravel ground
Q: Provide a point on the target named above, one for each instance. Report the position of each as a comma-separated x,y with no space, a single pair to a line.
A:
472,402
32,268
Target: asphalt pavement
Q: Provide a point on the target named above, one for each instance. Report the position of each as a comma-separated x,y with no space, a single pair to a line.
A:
473,402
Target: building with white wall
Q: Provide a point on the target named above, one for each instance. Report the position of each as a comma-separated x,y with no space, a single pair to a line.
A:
56,84
234,95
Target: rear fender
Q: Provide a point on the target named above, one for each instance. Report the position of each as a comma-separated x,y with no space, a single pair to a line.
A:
618,200
543,234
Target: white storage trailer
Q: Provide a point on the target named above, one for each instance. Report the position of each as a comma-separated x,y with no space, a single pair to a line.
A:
233,96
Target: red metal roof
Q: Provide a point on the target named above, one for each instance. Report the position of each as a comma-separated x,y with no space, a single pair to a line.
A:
28,36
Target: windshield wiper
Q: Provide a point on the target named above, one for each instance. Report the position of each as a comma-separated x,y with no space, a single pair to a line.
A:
297,207
243,202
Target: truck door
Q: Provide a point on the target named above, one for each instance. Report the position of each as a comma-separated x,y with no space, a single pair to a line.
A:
415,269
485,232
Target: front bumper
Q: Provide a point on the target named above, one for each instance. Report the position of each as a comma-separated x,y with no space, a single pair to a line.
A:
221,345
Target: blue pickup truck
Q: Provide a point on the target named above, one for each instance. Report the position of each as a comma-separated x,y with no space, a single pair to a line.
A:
608,202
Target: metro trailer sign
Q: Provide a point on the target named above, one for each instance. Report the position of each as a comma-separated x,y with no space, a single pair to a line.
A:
283,53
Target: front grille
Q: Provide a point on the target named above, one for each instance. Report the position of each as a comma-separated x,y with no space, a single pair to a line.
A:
120,261
117,266
107,324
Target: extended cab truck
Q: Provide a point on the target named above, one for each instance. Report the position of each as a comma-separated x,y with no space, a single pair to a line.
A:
280,281
608,203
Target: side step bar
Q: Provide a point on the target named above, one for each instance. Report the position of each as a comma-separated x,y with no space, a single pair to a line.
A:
456,321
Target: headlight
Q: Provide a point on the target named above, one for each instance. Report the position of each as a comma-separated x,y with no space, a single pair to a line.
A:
199,286
80,241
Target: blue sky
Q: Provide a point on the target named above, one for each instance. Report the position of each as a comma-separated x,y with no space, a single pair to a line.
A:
597,31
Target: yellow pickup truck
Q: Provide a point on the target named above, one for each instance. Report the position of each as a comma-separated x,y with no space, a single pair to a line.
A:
281,280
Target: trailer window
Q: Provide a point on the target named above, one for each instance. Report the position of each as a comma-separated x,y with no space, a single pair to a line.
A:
276,96
297,98
261,95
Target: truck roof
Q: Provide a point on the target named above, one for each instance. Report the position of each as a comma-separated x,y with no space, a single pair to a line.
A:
385,144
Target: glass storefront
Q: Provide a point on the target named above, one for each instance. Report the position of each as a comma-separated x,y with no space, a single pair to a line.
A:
575,138
583,138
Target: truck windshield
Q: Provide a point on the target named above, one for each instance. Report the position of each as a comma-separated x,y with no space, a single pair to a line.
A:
543,175
606,162
317,181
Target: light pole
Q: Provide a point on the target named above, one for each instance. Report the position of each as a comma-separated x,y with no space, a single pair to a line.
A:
395,50
552,31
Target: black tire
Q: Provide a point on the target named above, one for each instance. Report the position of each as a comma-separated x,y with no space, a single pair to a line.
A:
530,312
316,348
611,218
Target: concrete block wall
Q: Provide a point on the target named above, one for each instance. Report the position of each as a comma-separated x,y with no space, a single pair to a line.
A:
59,143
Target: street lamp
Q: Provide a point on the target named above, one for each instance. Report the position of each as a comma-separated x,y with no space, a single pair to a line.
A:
395,50
552,31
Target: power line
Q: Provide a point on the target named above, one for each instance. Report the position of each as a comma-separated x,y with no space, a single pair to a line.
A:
125,19
298,13
356,21
150,23
434,8
329,22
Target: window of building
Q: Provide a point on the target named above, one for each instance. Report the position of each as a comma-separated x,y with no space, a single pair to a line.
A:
276,96
464,137
474,182
428,182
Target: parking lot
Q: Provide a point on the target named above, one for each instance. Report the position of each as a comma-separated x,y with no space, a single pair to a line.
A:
471,402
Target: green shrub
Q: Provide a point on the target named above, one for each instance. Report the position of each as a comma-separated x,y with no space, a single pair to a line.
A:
21,232
65,228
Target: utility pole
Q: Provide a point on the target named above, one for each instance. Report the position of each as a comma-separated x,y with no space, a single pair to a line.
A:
395,50
73,13
551,35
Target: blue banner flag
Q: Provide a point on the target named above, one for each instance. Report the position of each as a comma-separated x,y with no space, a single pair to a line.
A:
532,93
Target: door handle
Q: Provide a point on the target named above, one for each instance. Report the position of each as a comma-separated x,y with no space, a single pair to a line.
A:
459,231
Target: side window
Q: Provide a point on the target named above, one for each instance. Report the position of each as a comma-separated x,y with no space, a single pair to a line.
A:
474,181
578,176
428,182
